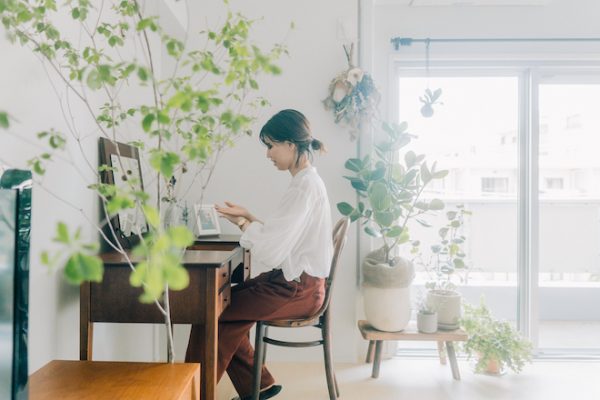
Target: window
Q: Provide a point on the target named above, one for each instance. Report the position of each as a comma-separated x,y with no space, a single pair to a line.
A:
494,185
533,187
554,183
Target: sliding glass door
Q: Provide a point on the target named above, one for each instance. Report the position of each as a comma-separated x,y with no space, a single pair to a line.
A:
569,210
521,145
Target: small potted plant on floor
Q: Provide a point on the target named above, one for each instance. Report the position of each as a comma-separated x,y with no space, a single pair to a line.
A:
496,343
426,316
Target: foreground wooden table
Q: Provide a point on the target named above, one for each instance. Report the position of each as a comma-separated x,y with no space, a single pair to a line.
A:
213,265
99,380
376,339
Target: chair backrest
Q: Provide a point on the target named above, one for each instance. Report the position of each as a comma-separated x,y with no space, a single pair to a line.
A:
339,240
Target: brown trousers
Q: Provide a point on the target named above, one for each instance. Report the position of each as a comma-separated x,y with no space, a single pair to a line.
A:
267,297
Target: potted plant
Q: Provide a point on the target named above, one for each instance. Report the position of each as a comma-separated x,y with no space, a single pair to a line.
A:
426,316
389,194
446,267
496,343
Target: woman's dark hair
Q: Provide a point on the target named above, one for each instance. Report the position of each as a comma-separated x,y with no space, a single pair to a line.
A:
293,127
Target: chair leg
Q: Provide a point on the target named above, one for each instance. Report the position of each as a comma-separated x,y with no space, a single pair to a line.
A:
331,384
337,388
259,348
265,334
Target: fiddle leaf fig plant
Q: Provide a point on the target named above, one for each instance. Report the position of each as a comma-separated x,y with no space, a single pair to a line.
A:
390,188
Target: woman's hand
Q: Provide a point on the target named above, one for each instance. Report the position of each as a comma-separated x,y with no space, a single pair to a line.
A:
232,210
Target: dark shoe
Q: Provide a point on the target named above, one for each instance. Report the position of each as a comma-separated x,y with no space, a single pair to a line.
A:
265,394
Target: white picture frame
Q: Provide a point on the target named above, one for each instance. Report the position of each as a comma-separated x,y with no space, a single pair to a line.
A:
207,220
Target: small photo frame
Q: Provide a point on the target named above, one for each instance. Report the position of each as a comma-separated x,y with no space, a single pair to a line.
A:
207,220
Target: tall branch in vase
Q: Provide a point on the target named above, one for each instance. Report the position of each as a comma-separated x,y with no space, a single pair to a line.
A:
206,102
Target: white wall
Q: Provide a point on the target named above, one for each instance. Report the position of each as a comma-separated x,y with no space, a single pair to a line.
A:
245,176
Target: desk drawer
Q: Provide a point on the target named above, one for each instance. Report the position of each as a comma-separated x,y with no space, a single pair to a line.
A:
224,299
223,276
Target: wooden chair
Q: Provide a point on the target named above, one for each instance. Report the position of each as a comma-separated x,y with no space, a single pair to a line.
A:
319,320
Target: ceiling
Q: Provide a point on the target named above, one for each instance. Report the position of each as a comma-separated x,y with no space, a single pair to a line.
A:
464,3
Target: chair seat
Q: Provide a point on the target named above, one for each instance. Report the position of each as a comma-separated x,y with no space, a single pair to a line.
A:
294,323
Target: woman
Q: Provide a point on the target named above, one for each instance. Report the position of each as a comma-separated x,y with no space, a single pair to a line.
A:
295,241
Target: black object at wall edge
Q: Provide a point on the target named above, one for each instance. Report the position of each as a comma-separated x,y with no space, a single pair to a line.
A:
21,182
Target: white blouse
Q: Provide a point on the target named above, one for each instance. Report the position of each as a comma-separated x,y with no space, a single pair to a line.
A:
297,237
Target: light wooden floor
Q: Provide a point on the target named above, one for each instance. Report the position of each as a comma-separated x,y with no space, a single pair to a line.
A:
425,379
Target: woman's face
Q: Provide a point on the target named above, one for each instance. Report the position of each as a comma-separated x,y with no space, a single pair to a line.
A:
283,154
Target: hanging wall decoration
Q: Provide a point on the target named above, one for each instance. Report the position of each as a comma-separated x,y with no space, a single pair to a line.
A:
353,97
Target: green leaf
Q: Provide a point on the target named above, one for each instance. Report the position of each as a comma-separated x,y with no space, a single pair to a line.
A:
410,158
142,74
181,236
385,218
425,174
376,175
345,208
379,196
177,277
440,174
394,232
4,123
164,162
62,233
45,258
147,122
353,164
136,279
82,267
152,216
436,205
93,80
371,232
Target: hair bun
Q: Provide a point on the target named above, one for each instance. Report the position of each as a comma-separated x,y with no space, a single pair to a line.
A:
316,144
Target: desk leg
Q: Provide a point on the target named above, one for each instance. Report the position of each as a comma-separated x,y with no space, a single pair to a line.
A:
377,361
453,363
86,328
210,336
441,352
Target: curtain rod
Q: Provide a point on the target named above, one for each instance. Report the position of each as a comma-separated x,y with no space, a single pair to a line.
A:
400,41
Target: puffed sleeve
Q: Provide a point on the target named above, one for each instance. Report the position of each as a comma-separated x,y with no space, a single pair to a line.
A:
271,242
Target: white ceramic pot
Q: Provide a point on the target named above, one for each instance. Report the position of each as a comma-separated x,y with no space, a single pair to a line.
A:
387,309
447,304
427,322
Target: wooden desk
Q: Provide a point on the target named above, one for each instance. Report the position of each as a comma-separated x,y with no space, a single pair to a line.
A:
81,380
376,339
213,264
